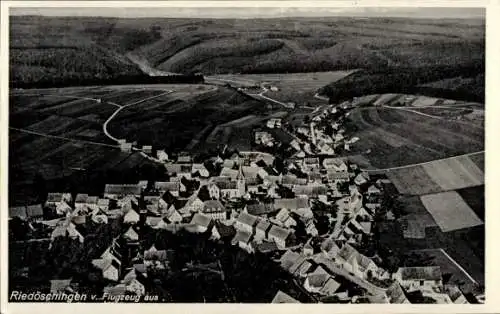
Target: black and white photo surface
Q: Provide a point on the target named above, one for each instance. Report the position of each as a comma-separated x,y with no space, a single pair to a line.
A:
246,155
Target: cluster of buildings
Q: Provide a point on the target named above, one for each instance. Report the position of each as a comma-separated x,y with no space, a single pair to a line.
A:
244,200
324,133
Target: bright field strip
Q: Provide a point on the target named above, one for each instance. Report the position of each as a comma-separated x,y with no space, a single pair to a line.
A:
450,211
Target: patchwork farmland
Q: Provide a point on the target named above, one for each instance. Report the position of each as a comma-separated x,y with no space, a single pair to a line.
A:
392,137
438,176
58,133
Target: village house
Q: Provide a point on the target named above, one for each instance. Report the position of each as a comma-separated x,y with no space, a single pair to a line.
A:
358,264
283,218
335,164
312,190
291,203
214,209
184,159
259,209
66,228
221,231
131,217
84,202
310,164
362,178
110,268
244,240
126,147
200,170
172,187
131,235
301,267
103,204
395,294
246,222
280,236
229,189
274,123
289,259
201,222
99,216
61,286
161,155
31,212
155,258
455,294
262,230
147,149
213,191
426,278
172,215
373,190
61,201
229,173
335,177
156,222
329,249
117,191
194,204
291,180
282,297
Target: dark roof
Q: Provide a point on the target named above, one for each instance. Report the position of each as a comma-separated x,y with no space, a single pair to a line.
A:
34,210
266,247
247,219
317,280
420,273
18,211
225,231
260,209
123,189
167,186
224,184
291,203
279,232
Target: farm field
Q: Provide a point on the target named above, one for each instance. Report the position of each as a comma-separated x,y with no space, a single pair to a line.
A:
450,211
214,116
392,137
437,176
57,136
299,88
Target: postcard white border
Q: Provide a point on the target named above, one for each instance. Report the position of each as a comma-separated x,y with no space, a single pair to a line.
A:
492,195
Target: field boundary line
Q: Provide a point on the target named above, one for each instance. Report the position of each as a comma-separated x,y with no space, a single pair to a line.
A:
62,137
423,163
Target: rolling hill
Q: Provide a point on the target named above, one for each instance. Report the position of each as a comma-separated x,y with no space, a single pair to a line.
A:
105,46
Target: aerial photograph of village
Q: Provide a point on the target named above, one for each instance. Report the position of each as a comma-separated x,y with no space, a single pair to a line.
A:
246,155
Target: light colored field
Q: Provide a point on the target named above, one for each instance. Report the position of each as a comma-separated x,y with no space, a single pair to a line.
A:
455,173
424,101
364,100
413,180
450,211
311,80
385,99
